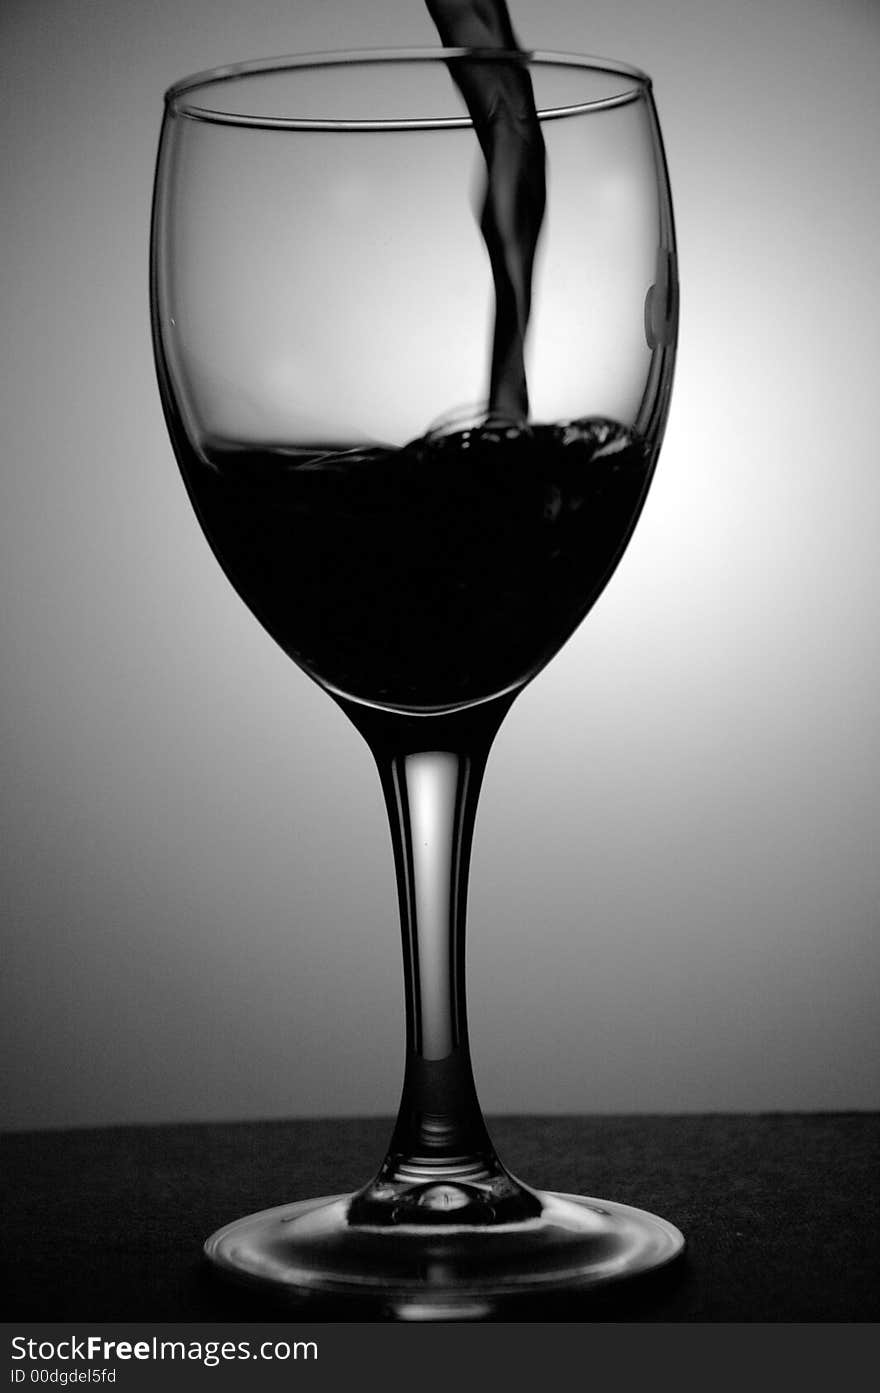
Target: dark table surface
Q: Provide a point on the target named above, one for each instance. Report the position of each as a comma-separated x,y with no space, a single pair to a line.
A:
780,1211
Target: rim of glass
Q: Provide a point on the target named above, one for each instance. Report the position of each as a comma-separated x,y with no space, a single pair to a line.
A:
638,84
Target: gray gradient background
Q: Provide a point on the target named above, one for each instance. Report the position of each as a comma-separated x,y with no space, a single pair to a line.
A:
676,890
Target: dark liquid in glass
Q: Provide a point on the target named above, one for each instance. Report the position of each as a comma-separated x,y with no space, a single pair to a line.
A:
431,576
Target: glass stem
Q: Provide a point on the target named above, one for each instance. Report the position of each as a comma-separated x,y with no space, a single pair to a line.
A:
431,770
431,797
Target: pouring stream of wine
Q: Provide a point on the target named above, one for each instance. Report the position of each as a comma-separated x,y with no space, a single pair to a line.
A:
501,104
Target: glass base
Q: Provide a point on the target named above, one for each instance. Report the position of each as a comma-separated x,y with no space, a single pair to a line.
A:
451,1272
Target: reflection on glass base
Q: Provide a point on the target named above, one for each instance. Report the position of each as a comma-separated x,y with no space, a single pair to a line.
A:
452,1272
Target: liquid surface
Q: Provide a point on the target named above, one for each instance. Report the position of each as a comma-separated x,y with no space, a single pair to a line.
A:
431,576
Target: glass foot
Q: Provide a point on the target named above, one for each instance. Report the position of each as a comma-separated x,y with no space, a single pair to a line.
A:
449,1272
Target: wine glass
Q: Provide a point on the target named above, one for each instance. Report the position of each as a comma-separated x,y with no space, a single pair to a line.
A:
420,489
